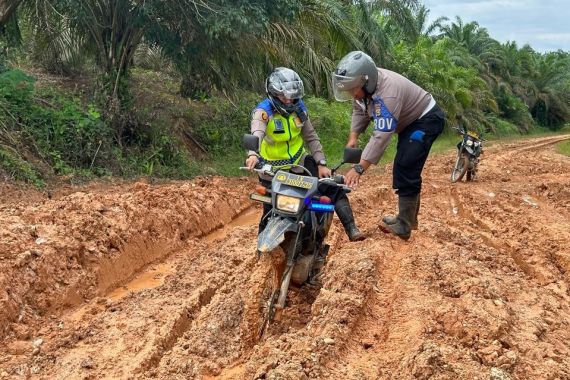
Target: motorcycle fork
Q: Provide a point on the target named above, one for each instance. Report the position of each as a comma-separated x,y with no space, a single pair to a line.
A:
286,278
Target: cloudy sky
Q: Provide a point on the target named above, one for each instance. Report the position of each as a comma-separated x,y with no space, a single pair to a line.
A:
543,24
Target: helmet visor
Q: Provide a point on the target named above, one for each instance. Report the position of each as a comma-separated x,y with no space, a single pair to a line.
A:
344,87
292,90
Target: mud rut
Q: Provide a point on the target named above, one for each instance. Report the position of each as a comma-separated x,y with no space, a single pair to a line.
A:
480,291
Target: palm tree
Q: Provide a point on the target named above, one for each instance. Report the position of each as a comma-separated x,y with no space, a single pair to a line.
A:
419,26
7,9
109,31
552,85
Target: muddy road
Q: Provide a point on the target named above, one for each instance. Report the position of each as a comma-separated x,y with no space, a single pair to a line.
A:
147,281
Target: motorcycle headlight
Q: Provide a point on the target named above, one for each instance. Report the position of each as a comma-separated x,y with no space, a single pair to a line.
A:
477,143
469,142
289,204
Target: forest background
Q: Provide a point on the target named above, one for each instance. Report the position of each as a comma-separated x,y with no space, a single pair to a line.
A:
125,88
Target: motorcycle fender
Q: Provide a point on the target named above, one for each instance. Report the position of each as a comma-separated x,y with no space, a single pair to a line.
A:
469,150
274,233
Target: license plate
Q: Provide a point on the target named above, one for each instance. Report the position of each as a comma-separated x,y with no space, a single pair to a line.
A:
295,180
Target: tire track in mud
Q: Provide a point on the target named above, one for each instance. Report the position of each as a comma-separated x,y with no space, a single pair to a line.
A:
490,235
190,291
201,298
371,330
83,245
535,236
543,143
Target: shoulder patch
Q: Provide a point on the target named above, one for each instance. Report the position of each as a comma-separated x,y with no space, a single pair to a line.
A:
384,121
265,106
264,115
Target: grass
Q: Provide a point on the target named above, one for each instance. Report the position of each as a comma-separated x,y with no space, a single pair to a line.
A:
564,148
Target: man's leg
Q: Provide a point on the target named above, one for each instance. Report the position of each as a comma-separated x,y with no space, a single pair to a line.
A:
344,212
414,144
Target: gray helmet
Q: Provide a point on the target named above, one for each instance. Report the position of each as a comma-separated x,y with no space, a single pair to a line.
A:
356,70
287,83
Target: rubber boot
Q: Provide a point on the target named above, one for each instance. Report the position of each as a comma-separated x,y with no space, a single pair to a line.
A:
344,212
407,207
392,219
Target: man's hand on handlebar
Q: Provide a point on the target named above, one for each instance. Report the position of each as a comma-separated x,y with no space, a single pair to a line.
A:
324,172
352,178
251,162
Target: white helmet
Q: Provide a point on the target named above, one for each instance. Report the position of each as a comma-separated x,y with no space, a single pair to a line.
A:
356,70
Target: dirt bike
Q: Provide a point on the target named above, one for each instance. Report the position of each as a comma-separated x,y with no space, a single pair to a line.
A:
468,152
296,228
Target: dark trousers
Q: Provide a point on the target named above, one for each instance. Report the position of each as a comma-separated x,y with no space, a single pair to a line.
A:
412,151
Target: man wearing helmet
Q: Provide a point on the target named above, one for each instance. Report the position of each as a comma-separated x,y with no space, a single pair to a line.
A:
394,104
282,124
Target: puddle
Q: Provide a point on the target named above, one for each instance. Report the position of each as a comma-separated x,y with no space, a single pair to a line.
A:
152,278
249,217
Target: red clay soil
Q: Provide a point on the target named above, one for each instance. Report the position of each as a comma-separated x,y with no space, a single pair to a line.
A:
140,281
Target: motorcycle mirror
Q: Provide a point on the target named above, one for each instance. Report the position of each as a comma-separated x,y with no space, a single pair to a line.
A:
250,142
352,155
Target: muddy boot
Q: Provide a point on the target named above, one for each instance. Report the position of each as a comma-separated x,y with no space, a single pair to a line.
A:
344,212
392,219
407,207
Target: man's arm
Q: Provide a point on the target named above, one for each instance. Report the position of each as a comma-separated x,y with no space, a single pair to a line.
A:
258,126
312,140
352,139
358,124
376,147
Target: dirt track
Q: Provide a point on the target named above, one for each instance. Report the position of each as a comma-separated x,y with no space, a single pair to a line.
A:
138,281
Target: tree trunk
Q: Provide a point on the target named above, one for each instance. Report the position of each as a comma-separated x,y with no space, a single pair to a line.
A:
7,8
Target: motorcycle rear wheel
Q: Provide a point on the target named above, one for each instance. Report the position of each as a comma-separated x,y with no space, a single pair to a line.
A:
460,168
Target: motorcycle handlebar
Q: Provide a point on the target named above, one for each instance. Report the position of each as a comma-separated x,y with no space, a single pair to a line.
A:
257,170
337,180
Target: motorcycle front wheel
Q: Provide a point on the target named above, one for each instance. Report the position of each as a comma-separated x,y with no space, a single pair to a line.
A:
460,168
262,295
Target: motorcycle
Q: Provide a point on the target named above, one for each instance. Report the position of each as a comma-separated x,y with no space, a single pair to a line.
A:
296,228
468,152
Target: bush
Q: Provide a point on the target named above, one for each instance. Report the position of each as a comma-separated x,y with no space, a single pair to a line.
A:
220,123
18,169
503,127
65,135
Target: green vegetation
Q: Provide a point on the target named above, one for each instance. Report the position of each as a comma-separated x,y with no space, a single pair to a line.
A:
17,168
564,147
167,88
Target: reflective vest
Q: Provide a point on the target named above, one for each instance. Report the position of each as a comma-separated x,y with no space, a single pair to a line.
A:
283,143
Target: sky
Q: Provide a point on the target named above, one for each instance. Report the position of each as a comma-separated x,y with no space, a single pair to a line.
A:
543,24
